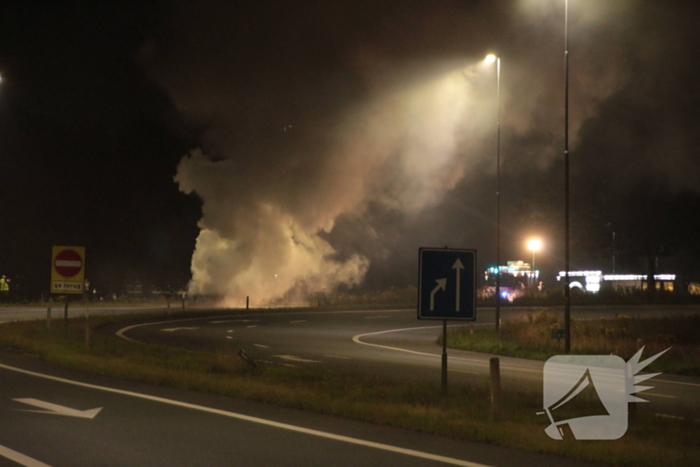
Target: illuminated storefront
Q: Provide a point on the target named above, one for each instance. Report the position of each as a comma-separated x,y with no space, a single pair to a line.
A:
592,281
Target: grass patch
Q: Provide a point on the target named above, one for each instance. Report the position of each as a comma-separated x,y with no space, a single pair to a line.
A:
622,336
464,414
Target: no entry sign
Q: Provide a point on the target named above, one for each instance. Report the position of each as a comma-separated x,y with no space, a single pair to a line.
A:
68,269
68,263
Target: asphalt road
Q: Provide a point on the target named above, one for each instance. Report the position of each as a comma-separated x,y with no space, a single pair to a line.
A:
392,343
54,417
61,418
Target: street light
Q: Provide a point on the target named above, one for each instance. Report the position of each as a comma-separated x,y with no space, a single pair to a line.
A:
491,58
534,245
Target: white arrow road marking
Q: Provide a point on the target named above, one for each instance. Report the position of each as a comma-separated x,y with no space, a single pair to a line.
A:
176,329
55,409
20,458
441,284
295,359
248,418
458,266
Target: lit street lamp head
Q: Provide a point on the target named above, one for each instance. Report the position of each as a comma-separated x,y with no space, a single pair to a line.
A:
534,244
490,58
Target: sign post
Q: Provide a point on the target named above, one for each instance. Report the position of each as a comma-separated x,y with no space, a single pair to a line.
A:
446,290
67,274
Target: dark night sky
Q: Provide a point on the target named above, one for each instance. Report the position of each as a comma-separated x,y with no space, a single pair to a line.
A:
89,146
314,143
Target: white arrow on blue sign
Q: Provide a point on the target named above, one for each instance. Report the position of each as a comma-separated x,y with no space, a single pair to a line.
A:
446,284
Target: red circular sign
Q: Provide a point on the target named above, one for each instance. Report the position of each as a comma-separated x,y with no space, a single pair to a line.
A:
68,263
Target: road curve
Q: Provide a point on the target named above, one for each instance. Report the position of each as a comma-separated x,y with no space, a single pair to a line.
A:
387,342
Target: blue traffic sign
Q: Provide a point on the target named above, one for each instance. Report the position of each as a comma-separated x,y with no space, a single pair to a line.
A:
446,284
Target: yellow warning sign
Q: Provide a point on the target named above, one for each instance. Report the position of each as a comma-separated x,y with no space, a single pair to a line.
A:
68,269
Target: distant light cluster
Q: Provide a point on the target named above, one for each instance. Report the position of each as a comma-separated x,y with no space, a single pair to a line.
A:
594,278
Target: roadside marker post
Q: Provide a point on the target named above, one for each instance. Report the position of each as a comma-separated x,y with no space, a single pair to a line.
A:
495,373
87,327
443,382
446,290
65,318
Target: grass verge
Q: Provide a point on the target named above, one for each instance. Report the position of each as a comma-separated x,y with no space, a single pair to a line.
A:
464,414
622,336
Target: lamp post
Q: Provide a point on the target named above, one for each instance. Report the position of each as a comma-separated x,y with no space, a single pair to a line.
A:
567,278
491,58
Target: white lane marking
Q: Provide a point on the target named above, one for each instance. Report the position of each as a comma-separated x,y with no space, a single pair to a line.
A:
253,326
55,409
245,320
356,339
375,317
297,321
261,421
675,417
261,346
230,331
229,337
20,458
120,333
338,356
292,358
653,394
219,322
177,329
676,382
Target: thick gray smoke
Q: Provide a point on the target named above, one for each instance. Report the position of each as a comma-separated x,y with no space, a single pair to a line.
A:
315,112
406,146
